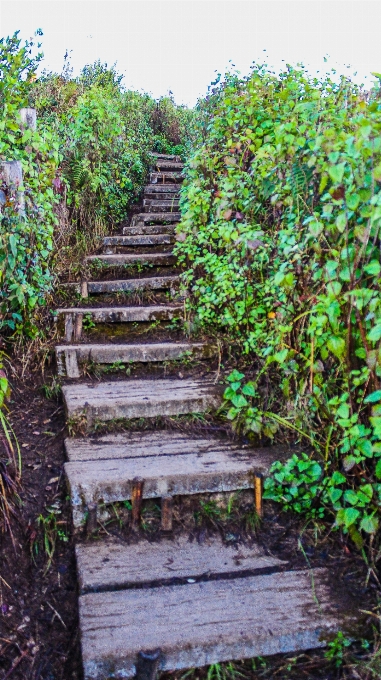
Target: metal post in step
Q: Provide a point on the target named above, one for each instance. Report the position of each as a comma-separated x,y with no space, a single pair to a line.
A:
258,493
136,501
147,665
166,513
92,518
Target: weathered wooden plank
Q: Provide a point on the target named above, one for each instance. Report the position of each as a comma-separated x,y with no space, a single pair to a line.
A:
127,353
110,564
161,443
104,472
204,623
156,218
121,314
111,259
139,398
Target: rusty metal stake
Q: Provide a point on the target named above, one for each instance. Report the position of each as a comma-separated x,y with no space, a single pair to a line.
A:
92,513
166,513
136,501
147,665
258,493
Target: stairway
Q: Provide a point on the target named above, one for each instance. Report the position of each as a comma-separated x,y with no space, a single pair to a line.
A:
147,606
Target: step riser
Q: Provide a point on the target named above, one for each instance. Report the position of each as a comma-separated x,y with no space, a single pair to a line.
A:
110,489
158,191
158,157
111,354
163,165
127,286
166,178
160,206
149,229
138,240
120,257
74,317
156,218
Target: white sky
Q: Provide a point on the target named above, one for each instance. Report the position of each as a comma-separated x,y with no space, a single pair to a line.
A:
178,45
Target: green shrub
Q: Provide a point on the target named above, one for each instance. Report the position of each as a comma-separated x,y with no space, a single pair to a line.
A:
281,213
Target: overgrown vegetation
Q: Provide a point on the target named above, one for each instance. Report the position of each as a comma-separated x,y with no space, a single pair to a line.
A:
82,167
280,234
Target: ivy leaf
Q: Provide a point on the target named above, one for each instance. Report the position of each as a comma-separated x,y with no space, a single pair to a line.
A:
249,389
375,333
373,397
374,267
336,172
336,345
369,524
239,401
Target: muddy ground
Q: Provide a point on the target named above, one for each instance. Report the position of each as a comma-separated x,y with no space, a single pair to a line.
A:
38,591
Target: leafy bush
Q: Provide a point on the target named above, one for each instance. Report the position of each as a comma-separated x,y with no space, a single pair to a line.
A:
25,240
281,212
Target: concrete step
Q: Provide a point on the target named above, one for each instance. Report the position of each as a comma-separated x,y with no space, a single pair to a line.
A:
123,259
166,177
130,240
139,399
74,316
123,285
156,218
160,206
169,463
113,565
198,624
148,229
70,357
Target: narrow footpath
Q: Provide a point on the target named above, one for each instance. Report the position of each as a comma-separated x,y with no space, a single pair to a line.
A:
171,604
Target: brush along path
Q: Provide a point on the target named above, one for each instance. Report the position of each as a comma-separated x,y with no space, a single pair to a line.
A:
200,603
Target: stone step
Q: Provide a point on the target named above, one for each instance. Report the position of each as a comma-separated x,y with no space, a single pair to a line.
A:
166,177
169,463
156,218
112,565
130,240
69,357
148,229
198,624
122,259
173,166
160,206
123,285
139,399
74,316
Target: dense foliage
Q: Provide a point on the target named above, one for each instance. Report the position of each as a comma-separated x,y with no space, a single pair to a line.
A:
82,167
280,233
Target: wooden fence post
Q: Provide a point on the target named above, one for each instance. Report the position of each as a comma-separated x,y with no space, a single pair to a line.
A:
28,118
11,175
